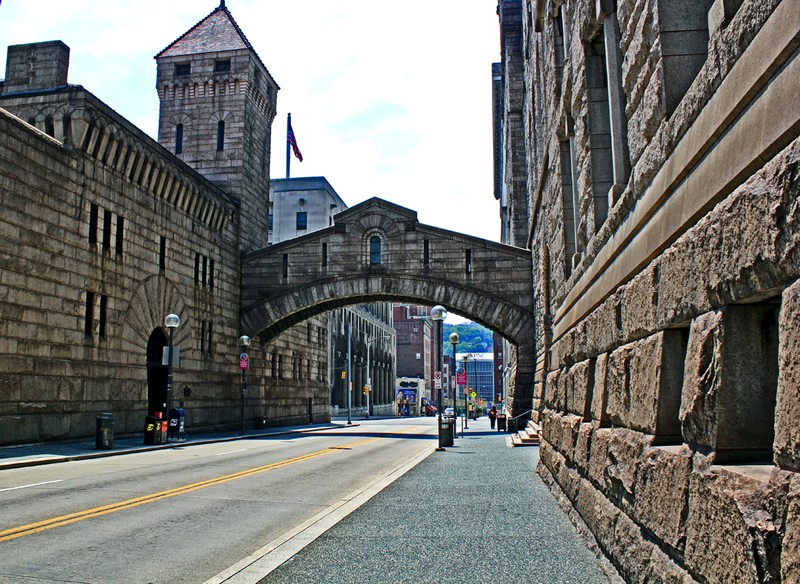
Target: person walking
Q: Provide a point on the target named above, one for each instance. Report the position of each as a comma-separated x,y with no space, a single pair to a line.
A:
492,416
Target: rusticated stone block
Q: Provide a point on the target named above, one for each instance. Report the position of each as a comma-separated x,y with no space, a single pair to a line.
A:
599,407
582,446
790,552
718,544
579,397
599,514
554,392
787,409
644,385
730,381
625,450
598,457
662,493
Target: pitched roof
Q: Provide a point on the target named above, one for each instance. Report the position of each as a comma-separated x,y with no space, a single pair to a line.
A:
216,32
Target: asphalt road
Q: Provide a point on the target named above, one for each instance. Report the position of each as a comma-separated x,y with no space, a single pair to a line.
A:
188,514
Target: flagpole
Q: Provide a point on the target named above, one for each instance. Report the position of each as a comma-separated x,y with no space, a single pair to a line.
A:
288,157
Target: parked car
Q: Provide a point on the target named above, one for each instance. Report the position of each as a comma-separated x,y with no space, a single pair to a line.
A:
449,413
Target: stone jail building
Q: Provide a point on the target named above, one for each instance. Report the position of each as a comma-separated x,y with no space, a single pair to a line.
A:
648,153
104,231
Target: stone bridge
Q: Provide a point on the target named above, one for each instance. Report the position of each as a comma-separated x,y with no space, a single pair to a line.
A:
379,251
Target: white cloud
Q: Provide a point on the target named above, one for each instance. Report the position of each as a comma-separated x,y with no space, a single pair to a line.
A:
389,100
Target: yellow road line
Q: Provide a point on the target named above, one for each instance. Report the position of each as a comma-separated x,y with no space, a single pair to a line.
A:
32,528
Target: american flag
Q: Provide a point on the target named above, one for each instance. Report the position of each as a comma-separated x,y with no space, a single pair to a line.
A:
290,137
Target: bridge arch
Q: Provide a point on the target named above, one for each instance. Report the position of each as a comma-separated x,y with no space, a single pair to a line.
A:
487,282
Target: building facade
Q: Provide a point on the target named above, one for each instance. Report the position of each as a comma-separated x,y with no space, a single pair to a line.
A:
107,231
649,155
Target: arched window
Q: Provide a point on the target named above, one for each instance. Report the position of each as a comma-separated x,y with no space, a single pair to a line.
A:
375,250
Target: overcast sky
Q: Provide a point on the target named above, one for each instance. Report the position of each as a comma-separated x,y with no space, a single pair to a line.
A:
387,99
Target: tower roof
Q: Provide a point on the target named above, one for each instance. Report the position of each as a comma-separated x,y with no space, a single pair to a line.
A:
216,32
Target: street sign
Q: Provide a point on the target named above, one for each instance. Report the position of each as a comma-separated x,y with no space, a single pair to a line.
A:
461,377
244,361
437,380
472,395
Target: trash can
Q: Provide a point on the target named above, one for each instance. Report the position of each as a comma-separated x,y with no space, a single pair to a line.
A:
152,427
512,425
177,424
501,422
104,435
446,428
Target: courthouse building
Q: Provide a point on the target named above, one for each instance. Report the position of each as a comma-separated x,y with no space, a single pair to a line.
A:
647,153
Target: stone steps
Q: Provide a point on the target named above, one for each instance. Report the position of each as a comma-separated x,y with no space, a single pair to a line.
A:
527,437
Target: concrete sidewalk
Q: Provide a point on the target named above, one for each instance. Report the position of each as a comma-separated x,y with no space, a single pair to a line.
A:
476,513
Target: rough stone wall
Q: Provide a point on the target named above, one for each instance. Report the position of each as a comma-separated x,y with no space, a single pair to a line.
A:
667,369
57,373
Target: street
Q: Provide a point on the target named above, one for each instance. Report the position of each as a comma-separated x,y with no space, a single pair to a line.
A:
187,514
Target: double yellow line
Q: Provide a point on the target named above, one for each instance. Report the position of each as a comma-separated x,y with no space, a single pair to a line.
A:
32,528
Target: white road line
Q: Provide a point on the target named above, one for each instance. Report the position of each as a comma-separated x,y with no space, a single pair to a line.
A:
230,452
33,485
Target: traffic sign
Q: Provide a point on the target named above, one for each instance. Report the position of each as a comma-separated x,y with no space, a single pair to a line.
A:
244,361
437,380
461,377
472,395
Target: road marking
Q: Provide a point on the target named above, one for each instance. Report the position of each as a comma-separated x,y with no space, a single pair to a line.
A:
33,485
231,452
263,562
46,524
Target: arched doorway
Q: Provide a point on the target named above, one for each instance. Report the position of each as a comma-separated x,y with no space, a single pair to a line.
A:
156,374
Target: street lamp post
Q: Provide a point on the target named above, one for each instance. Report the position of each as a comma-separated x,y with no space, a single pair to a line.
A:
244,364
454,338
172,321
466,389
438,314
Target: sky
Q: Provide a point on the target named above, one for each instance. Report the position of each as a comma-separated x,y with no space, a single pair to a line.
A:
389,100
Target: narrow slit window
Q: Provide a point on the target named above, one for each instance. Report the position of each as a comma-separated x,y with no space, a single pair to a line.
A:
120,237
88,320
204,275
197,268
179,139
426,252
202,336
220,136
286,265
302,221
211,274
468,261
102,321
93,213
106,229
162,254
210,338
324,255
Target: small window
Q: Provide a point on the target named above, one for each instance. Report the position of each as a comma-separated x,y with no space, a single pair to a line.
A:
302,220
220,136
93,214
120,235
324,255
182,69
162,254
269,221
222,66
375,250
179,139
103,308
468,261
426,252
88,322
106,229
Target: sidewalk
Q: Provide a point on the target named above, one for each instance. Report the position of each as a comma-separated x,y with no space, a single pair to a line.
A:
53,452
476,513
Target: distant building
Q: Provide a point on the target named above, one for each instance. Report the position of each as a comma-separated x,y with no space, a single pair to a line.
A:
303,205
480,374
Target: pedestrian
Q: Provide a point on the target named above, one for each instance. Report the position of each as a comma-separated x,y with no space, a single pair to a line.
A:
492,416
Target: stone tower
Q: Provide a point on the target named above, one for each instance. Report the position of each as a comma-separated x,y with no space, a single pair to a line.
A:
217,106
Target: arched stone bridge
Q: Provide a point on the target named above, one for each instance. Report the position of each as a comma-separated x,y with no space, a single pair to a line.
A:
379,251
